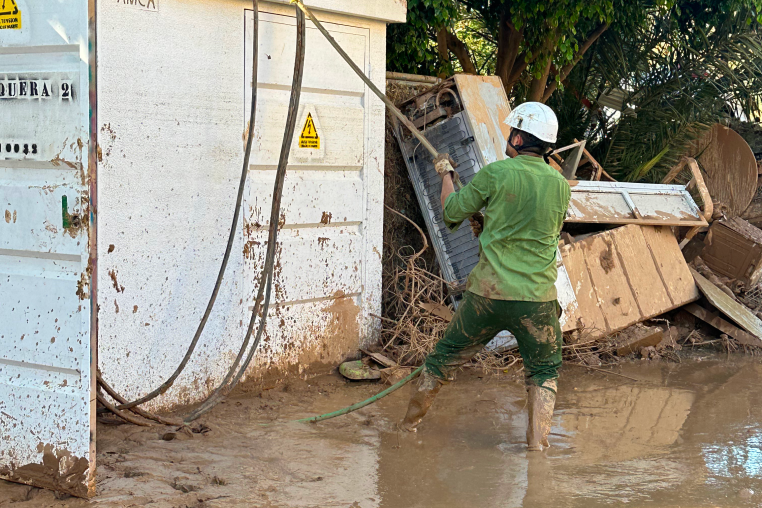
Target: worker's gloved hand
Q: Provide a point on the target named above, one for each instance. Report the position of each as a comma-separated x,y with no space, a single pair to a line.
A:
444,164
477,223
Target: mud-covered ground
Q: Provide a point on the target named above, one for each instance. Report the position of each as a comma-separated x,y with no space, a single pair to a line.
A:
684,435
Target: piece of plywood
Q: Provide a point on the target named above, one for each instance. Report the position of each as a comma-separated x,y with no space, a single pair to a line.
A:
737,313
588,314
610,281
641,271
730,167
634,344
625,276
673,271
716,321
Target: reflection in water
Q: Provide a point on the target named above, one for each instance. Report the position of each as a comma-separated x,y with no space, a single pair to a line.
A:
735,460
625,422
688,434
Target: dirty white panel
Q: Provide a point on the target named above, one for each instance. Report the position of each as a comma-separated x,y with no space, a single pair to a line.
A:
632,203
331,260
341,130
324,209
46,361
172,157
314,198
487,110
324,70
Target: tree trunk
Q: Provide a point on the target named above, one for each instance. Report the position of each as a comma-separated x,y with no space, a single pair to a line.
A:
508,43
537,87
460,51
444,53
566,69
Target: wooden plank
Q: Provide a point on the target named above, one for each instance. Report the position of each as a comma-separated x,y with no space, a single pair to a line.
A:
635,343
737,313
380,359
716,321
615,296
588,311
673,270
641,272
441,311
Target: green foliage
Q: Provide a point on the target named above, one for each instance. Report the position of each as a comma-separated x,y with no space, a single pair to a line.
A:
411,47
682,64
692,66
552,29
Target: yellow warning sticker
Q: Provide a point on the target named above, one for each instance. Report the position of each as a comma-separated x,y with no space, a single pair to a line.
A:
309,137
10,15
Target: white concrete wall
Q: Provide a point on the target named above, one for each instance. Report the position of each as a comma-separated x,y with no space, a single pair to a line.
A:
173,92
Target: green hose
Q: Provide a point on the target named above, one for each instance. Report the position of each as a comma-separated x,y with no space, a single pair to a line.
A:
366,402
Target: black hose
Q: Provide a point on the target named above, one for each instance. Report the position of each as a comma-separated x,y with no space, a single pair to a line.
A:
267,271
233,229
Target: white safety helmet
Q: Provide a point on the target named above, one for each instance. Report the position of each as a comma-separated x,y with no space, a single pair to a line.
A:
535,118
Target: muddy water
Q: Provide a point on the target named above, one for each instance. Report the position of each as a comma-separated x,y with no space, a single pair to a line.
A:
686,435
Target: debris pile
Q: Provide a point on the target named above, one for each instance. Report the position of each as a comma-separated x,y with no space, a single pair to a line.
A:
646,270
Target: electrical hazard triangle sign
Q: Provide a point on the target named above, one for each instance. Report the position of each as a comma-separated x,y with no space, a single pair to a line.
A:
309,138
10,15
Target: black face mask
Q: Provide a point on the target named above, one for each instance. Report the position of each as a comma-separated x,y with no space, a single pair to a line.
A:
545,156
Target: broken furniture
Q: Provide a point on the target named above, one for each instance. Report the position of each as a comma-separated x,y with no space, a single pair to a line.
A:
733,248
607,281
730,168
633,203
696,182
737,313
577,158
568,166
625,276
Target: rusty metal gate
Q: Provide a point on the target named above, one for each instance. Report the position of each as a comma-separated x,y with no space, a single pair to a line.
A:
47,431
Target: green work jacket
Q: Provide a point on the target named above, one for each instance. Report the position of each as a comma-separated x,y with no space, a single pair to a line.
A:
525,203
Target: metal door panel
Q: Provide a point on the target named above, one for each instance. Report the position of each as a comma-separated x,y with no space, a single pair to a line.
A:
46,362
324,218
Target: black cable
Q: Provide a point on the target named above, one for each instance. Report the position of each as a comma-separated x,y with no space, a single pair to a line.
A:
267,271
233,229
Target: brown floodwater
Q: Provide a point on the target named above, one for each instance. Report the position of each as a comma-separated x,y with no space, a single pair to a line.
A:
685,435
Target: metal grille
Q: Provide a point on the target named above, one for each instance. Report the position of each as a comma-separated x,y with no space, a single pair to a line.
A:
753,297
457,252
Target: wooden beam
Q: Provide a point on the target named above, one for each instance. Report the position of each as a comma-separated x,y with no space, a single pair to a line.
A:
714,319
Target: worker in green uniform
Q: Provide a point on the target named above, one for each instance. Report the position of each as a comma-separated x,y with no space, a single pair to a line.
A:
513,285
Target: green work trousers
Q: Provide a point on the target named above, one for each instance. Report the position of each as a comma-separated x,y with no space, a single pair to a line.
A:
476,322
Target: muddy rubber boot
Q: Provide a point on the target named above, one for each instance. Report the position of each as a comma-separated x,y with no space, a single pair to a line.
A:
423,394
541,401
